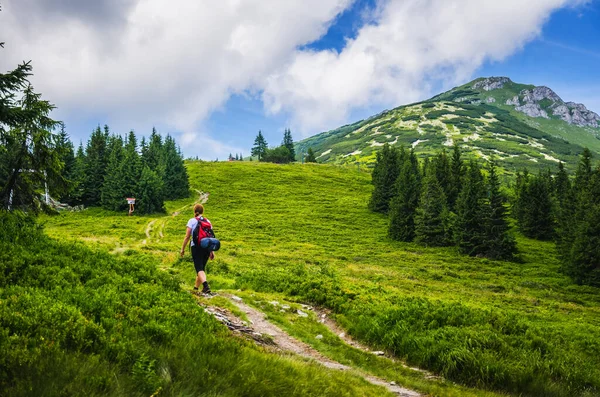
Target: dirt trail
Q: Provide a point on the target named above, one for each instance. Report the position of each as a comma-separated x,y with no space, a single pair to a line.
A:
266,333
202,199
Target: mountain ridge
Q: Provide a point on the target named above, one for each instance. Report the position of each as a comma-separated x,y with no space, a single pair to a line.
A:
520,125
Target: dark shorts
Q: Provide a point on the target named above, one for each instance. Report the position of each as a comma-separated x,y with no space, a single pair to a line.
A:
200,257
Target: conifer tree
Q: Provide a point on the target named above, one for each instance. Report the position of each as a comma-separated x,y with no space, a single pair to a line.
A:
384,177
432,217
95,167
310,156
150,188
260,146
533,207
131,167
78,177
403,205
288,142
113,192
153,155
499,244
469,230
175,180
457,172
63,186
582,261
441,165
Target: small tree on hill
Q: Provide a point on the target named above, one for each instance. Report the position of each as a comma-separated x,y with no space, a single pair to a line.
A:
469,231
96,160
113,193
279,155
310,156
175,178
457,173
432,217
384,177
260,146
403,205
149,197
288,142
499,244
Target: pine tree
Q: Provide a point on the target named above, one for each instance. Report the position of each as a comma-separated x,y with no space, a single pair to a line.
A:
113,192
310,156
384,177
260,146
149,198
95,167
469,230
499,244
533,207
237,157
457,173
27,151
153,155
403,205
564,212
583,260
432,217
441,165
78,177
288,142
64,185
175,180
131,167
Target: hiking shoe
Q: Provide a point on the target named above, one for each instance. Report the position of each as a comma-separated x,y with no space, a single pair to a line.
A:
207,292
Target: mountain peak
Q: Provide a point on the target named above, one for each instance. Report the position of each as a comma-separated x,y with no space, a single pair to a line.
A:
490,83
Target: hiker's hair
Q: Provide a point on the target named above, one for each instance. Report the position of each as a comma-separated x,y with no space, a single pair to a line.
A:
198,209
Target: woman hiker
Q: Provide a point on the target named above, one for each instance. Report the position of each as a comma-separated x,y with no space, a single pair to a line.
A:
199,255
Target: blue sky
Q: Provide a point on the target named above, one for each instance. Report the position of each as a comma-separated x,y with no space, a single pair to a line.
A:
214,73
565,58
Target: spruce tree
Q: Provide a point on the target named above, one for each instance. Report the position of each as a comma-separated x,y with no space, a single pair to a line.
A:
95,167
260,146
288,142
403,205
113,189
432,217
175,180
153,155
131,167
384,178
499,244
310,156
533,207
64,185
78,177
469,230
149,198
457,172
443,173
583,260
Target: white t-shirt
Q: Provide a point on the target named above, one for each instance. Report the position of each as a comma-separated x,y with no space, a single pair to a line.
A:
192,224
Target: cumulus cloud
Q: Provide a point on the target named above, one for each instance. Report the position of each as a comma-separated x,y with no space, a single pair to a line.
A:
170,63
151,62
412,46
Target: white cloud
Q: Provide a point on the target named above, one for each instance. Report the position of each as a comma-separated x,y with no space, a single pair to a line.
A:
168,63
412,45
140,63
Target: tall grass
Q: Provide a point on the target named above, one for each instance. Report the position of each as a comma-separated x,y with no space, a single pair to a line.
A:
304,231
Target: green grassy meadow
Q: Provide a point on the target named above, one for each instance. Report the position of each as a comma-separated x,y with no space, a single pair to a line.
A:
303,233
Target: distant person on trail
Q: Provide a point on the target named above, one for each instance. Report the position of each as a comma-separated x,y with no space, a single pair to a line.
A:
199,255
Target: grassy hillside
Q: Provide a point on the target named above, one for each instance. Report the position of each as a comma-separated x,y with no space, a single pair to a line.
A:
76,321
479,121
303,233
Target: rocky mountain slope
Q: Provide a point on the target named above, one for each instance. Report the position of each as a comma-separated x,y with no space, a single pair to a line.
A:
519,125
